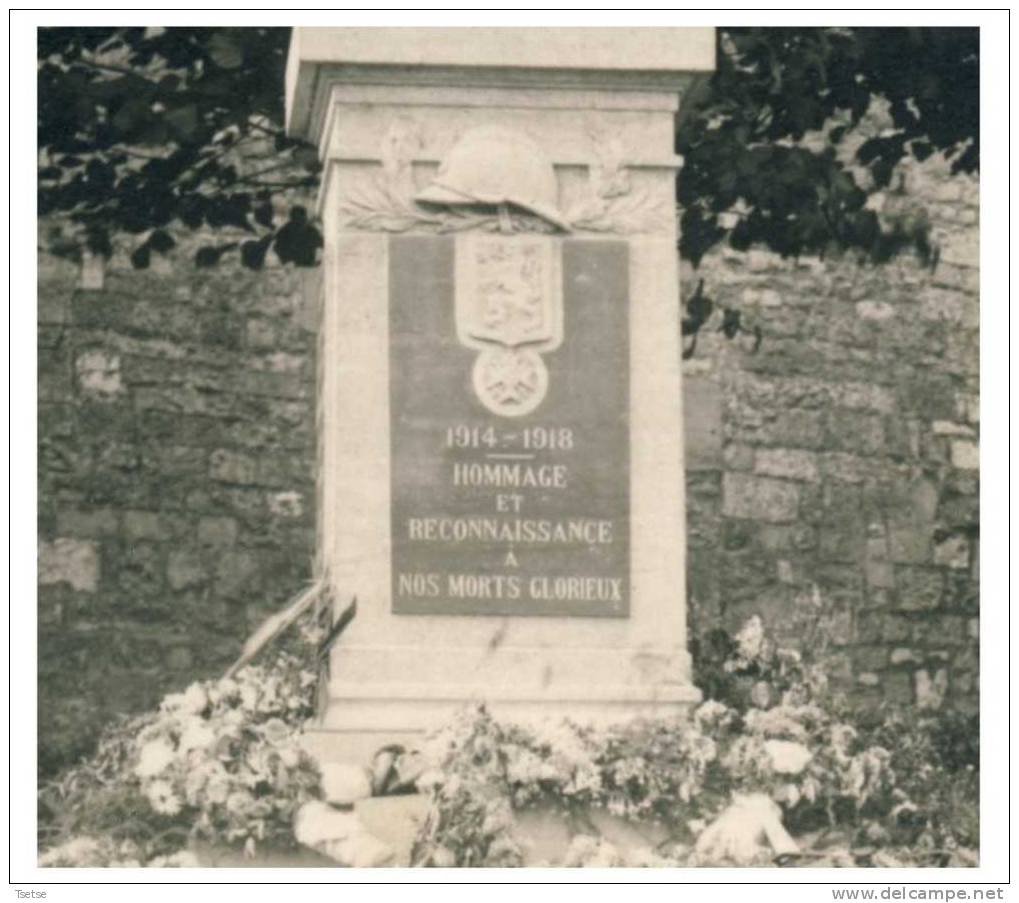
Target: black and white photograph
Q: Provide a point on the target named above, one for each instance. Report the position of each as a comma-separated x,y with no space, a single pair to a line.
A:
478,444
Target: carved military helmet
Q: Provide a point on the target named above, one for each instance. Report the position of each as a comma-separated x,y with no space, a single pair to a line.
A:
496,165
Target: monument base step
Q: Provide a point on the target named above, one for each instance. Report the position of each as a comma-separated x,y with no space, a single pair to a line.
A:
359,720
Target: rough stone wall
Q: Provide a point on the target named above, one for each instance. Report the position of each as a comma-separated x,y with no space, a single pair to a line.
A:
837,467
176,457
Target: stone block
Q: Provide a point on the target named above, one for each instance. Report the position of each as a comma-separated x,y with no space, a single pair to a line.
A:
881,627
902,656
902,437
962,591
217,531
948,428
93,271
941,305
262,333
89,524
54,305
737,457
877,311
961,248
98,372
965,454
919,589
941,630
961,278
880,574
759,498
930,689
53,375
855,431
789,463
759,261
952,552
738,535
786,537
926,393
184,568
841,542
795,429
865,396
898,687
702,419
180,658
968,406
71,561
288,505
234,573
143,525
232,467
844,467
909,544
784,571
959,511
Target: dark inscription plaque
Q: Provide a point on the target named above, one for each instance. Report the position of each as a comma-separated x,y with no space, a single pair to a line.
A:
509,391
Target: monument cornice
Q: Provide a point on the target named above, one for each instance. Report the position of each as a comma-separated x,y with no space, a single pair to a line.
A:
660,61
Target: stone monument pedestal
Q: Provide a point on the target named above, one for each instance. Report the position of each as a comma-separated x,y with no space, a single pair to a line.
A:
501,480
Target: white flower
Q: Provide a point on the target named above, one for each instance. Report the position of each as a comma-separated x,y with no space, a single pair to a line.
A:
431,779
275,730
249,697
778,722
172,702
343,783
154,758
222,689
316,822
196,735
710,712
218,788
290,756
195,700
788,794
230,723
751,638
182,859
238,802
78,851
162,798
443,858
760,694
787,757
842,737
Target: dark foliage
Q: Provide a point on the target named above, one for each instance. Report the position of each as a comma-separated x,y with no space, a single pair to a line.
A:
144,129
773,86
140,128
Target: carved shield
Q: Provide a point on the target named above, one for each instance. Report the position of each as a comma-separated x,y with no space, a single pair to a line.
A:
509,306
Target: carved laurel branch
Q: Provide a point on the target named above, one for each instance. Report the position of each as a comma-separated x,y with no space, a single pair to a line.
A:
375,206
625,214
